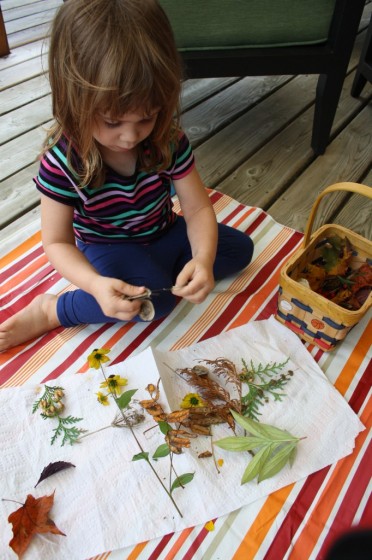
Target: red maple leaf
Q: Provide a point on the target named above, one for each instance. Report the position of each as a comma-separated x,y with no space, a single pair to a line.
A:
30,519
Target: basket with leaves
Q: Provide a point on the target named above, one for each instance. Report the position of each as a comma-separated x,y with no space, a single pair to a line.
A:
325,287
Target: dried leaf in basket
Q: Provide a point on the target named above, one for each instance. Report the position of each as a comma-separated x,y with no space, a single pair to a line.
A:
333,275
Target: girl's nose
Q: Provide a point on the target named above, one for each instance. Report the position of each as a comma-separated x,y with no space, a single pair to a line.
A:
128,135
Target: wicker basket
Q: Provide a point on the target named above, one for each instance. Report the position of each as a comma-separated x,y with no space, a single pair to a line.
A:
313,317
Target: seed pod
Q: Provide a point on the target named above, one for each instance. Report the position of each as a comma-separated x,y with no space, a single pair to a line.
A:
49,412
59,406
57,395
202,371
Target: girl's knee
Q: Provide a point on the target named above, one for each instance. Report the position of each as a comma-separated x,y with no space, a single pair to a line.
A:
164,305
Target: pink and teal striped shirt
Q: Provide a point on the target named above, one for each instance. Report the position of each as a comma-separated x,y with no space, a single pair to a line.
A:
136,208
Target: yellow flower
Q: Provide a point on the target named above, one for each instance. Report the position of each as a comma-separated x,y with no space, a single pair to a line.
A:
98,357
209,526
114,384
102,398
220,462
192,400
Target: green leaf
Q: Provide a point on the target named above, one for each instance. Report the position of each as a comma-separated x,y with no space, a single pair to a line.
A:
125,398
255,428
244,443
292,456
276,462
256,464
261,430
162,451
164,427
277,434
182,480
139,456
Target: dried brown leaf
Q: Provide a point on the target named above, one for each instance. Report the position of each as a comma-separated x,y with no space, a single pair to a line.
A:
205,455
30,519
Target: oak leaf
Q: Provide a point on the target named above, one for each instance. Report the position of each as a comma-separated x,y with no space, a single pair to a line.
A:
30,519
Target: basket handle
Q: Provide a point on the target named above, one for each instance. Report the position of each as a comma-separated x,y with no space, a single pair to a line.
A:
356,188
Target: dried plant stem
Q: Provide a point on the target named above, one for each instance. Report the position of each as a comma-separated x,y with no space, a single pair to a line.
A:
141,448
94,432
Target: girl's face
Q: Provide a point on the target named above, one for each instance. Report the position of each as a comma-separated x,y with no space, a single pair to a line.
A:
124,134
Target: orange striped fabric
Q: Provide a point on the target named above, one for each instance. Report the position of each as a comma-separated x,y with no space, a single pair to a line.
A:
298,522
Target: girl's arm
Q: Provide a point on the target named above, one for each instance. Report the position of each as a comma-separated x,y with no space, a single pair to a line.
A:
196,280
59,245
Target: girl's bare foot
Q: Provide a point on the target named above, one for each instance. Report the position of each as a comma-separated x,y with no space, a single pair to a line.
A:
39,317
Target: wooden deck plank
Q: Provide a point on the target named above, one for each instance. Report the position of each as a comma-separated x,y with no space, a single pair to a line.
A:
16,123
26,36
251,135
265,175
21,54
203,121
27,9
11,4
24,71
356,213
32,20
346,159
220,155
17,96
21,152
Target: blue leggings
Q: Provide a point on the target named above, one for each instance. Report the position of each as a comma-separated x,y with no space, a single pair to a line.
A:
154,265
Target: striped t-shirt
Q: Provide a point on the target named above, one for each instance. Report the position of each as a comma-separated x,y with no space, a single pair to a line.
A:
136,208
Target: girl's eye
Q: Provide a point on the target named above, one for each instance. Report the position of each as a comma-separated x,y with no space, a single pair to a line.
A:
111,124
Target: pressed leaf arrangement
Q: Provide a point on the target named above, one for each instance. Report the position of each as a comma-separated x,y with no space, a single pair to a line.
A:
219,393
270,447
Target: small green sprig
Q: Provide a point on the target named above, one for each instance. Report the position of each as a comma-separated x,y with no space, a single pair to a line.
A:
69,432
263,382
51,406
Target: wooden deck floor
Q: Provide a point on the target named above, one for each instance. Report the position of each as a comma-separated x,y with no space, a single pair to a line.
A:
251,135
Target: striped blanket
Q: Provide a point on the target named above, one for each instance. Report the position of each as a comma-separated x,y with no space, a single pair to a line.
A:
299,521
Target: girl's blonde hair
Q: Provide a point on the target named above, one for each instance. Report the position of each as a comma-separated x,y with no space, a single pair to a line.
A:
112,57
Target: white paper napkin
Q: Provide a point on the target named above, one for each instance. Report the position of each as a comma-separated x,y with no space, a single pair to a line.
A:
108,501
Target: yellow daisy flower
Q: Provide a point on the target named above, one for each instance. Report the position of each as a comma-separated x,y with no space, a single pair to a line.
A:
102,398
114,383
192,400
98,357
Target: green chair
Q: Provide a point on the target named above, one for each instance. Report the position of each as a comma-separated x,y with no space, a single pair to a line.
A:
270,37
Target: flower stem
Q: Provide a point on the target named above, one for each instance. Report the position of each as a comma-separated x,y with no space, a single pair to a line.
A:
140,446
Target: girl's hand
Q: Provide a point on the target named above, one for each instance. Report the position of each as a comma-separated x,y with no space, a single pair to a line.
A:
194,282
110,294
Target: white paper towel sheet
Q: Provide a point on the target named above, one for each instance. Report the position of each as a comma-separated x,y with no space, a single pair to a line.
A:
108,501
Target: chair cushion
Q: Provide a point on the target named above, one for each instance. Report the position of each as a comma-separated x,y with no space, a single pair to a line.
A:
231,24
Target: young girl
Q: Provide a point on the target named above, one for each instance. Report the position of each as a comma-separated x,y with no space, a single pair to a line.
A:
106,175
